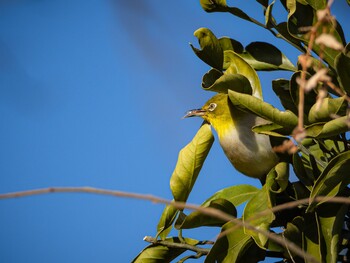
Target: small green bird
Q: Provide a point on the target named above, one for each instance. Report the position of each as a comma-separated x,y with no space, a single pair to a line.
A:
250,153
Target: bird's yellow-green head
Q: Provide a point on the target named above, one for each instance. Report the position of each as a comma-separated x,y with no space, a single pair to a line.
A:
217,111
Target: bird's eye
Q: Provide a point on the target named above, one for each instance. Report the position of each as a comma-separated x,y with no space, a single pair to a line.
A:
212,106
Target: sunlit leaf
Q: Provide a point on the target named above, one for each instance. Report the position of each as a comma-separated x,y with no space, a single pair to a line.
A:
190,162
166,219
263,200
198,219
327,109
263,109
234,195
331,218
211,51
234,64
216,81
328,129
157,253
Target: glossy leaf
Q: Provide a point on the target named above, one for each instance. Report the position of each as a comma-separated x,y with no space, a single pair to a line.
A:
327,108
272,129
334,178
328,129
216,81
234,64
233,196
211,51
198,219
263,109
233,247
157,253
190,162
303,174
264,56
166,220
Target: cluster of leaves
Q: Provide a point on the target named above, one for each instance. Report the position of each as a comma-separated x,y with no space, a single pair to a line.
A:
317,104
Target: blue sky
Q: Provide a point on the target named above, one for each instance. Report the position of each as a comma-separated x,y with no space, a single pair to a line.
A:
92,94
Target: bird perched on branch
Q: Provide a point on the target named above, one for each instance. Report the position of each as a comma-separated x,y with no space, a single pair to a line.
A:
250,153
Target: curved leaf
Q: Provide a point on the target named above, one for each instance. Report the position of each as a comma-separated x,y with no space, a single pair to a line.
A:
234,247
334,178
157,253
263,109
234,195
328,108
211,51
234,64
190,162
166,220
198,219
263,200
264,56
282,89
222,83
328,129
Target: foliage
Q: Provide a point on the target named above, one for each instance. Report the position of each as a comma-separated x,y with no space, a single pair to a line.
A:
315,120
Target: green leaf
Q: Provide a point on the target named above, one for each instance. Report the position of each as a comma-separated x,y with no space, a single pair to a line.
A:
294,234
272,129
160,253
303,174
227,43
281,174
312,236
263,200
263,109
190,162
269,19
216,81
265,3
264,56
235,246
317,4
283,31
234,195
331,218
334,178
211,6
166,220
198,219
234,64
282,89
328,129
328,108
211,51
342,66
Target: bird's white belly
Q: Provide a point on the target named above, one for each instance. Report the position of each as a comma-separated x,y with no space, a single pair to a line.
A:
252,154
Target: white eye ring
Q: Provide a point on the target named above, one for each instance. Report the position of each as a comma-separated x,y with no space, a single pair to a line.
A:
212,106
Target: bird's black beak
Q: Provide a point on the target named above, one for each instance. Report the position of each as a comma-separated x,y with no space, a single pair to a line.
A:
194,113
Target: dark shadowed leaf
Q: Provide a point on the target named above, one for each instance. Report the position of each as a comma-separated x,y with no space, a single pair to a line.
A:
264,56
342,65
334,178
282,89
235,246
304,175
312,236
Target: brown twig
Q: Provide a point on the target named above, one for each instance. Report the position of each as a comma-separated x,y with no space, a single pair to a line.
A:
180,205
